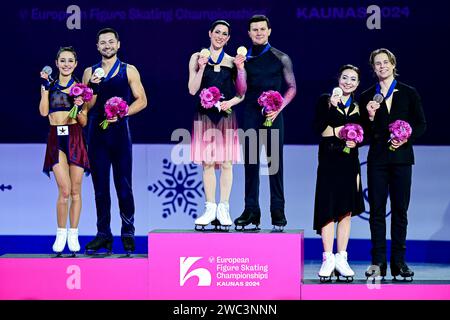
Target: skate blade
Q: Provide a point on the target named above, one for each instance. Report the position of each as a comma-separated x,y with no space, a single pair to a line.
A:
223,228
128,254
244,229
277,229
344,279
200,227
405,279
96,254
374,279
325,279
204,229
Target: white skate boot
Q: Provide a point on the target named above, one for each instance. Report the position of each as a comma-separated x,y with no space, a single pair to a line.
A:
223,215
72,241
60,241
342,267
208,216
327,268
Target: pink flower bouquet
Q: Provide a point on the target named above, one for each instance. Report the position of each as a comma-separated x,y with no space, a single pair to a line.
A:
270,101
400,130
86,93
114,107
210,97
351,132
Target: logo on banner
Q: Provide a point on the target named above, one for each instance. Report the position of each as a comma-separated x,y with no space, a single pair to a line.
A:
225,271
203,275
179,188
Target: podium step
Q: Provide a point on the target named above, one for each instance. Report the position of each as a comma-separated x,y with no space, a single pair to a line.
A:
191,265
42,277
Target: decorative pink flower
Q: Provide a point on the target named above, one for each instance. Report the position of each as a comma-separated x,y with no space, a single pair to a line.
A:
123,109
270,101
80,89
112,111
88,93
351,132
400,130
76,91
114,107
210,97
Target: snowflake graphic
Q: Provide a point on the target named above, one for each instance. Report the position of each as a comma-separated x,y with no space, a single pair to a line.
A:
3,187
180,188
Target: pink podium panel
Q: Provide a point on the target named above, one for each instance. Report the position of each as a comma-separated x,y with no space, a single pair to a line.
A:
35,277
417,290
190,265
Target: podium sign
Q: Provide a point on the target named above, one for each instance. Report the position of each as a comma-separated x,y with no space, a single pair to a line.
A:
192,265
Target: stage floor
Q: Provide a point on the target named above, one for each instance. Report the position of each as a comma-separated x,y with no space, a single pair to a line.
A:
423,272
431,273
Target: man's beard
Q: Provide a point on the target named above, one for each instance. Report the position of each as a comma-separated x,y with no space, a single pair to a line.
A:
109,55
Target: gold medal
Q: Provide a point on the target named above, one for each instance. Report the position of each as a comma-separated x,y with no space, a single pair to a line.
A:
216,68
242,51
205,53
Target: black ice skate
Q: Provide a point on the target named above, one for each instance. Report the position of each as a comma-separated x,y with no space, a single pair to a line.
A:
376,270
402,270
278,220
247,217
128,245
99,243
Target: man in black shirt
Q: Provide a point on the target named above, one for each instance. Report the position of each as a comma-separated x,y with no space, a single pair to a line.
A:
267,69
389,171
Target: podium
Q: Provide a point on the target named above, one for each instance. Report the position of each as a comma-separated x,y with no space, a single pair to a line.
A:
42,277
190,265
180,265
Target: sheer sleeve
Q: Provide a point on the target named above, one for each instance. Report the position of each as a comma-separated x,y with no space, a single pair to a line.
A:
289,77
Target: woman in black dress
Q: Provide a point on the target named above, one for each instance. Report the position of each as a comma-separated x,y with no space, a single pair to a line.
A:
338,189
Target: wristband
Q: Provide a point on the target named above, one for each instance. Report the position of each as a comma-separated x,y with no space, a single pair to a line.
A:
45,84
94,87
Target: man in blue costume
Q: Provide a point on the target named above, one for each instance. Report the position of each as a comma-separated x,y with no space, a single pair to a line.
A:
112,146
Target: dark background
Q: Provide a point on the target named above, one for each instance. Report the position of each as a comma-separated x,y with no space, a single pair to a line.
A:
416,31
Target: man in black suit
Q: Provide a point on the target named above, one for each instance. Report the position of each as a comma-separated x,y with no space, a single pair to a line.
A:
389,171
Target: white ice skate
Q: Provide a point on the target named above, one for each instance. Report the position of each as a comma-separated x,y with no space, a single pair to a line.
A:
223,215
60,241
72,241
208,216
327,268
342,267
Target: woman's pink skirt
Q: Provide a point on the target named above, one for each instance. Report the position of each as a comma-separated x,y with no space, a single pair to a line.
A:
215,143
